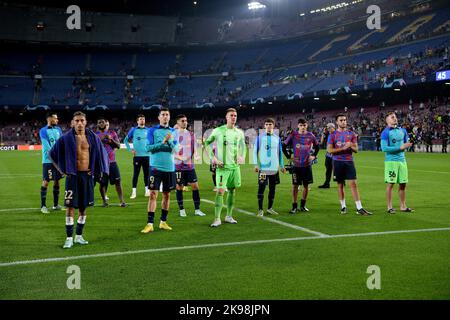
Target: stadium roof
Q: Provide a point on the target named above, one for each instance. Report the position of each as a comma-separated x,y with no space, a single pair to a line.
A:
186,7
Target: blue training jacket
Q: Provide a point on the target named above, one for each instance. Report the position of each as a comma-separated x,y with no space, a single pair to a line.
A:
64,154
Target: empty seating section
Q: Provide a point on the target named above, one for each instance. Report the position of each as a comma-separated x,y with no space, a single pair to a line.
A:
16,91
160,64
111,63
261,70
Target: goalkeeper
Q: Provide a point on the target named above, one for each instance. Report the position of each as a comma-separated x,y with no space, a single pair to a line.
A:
230,153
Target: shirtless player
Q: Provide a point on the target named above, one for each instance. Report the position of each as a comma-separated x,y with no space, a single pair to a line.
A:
80,155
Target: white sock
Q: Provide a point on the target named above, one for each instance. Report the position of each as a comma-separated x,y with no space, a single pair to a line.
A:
134,190
146,189
69,221
343,203
358,205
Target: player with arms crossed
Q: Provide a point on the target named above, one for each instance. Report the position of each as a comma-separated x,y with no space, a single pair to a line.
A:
161,145
328,157
300,143
268,159
342,143
394,142
49,135
141,158
184,165
230,153
80,155
110,141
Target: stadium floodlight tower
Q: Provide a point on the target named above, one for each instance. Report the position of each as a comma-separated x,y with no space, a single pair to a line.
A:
255,5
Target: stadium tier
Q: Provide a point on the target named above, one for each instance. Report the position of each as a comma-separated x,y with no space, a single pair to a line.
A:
412,47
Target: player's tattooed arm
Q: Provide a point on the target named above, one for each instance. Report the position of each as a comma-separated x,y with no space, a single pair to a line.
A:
287,151
115,143
332,150
354,147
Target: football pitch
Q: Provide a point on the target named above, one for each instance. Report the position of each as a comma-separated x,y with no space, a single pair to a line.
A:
318,255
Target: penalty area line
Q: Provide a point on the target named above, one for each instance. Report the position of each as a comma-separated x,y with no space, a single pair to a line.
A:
285,224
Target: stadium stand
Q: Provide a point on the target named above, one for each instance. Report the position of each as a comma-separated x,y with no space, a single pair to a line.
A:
410,47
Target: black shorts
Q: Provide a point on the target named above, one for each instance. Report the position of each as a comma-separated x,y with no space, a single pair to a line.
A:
344,170
264,179
157,177
79,190
185,177
114,175
49,172
302,175
141,161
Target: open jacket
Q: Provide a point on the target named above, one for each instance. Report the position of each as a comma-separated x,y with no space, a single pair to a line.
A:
64,154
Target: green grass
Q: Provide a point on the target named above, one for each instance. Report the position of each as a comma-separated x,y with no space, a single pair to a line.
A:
413,265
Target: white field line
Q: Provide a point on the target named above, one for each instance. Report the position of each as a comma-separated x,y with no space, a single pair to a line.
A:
292,226
211,245
95,206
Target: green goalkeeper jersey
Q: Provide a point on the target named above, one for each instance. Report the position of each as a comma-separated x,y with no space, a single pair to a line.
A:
230,144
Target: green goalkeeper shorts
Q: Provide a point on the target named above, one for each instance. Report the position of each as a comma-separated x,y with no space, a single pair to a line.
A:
228,178
395,172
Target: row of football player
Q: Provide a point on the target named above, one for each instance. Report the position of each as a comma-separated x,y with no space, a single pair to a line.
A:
82,155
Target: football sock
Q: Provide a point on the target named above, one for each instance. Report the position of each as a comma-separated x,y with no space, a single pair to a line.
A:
164,214
218,205
271,196
358,205
230,202
150,217
55,195
196,198
302,203
80,225
43,196
261,189
343,203
180,199
69,227
294,205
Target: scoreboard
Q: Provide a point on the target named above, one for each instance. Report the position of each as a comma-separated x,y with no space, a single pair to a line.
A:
443,75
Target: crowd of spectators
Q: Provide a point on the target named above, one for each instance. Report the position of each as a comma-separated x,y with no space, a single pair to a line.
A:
428,123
